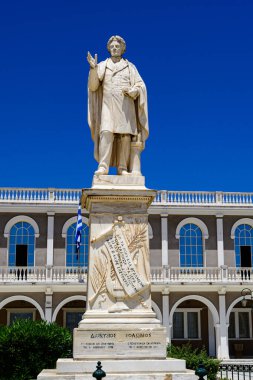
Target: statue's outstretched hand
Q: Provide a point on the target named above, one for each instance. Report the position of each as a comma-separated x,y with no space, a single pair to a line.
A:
92,61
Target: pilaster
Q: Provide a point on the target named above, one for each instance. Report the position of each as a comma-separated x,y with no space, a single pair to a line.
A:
164,237
166,313
222,328
211,339
48,304
50,238
220,239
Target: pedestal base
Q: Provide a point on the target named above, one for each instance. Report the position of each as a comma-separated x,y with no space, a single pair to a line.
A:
130,345
168,369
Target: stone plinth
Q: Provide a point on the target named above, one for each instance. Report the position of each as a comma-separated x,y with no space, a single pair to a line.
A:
169,369
118,182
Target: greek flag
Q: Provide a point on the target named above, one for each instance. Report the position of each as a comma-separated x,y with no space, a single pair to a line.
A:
79,226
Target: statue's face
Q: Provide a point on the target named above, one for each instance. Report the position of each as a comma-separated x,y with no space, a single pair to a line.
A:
115,49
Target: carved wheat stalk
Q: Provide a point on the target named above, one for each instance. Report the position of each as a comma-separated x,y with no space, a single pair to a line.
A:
98,277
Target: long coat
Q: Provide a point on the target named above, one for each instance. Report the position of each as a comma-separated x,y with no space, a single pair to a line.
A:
109,109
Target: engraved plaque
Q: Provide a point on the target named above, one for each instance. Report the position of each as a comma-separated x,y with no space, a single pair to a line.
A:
120,343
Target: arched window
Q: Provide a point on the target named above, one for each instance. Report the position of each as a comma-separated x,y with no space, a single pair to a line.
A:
21,244
191,246
244,245
74,259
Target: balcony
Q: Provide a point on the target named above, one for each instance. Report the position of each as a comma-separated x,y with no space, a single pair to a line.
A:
201,275
165,275
163,197
203,198
46,274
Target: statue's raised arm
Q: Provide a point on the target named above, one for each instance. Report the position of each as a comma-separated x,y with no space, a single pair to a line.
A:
117,114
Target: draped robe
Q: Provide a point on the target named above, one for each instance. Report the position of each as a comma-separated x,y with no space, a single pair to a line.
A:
110,110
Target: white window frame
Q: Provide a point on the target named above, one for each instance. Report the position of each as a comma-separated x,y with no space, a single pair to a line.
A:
73,310
15,220
205,234
236,311
185,311
65,228
20,311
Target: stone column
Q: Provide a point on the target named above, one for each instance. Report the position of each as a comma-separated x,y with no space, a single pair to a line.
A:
166,313
222,328
211,334
220,240
48,304
164,229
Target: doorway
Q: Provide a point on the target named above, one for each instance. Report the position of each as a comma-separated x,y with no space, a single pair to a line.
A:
245,256
21,261
246,262
21,255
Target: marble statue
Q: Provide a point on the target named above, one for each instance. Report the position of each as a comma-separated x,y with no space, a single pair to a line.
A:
119,325
117,111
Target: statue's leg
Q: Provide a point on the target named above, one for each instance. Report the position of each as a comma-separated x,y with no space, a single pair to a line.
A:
105,152
123,154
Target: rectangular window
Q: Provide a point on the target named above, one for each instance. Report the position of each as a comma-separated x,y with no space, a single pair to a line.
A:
231,328
178,325
186,324
192,325
71,317
243,318
14,314
240,325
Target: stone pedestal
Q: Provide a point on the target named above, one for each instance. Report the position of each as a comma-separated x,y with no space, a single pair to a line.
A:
119,327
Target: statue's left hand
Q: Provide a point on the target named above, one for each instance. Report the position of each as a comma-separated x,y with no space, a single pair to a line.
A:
133,93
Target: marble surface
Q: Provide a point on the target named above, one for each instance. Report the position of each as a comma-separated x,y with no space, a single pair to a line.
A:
117,111
120,342
119,265
169,369
118,182
119,326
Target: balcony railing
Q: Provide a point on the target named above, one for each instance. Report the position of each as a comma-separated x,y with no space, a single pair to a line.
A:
203,198
27,195
159,275
170,275
164,197
43,274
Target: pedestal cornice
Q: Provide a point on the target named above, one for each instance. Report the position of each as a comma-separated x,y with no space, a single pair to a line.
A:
90,196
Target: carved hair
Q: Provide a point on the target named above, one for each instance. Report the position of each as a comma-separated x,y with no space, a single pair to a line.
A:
120,40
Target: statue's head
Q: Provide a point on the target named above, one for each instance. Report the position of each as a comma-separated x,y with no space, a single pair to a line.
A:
116,46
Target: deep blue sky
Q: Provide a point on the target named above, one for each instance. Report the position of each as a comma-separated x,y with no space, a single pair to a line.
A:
196,58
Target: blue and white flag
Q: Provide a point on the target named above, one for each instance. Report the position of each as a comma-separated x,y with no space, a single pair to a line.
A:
79,226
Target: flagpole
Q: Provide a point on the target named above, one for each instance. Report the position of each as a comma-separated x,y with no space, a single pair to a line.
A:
78,239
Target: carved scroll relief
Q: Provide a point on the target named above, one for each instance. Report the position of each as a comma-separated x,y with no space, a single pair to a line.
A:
121,265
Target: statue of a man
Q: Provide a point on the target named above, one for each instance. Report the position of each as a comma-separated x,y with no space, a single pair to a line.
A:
117,113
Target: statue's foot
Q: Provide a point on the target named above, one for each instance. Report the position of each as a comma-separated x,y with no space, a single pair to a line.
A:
123,172
101,171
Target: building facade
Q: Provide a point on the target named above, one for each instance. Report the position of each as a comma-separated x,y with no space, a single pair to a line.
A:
201,253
